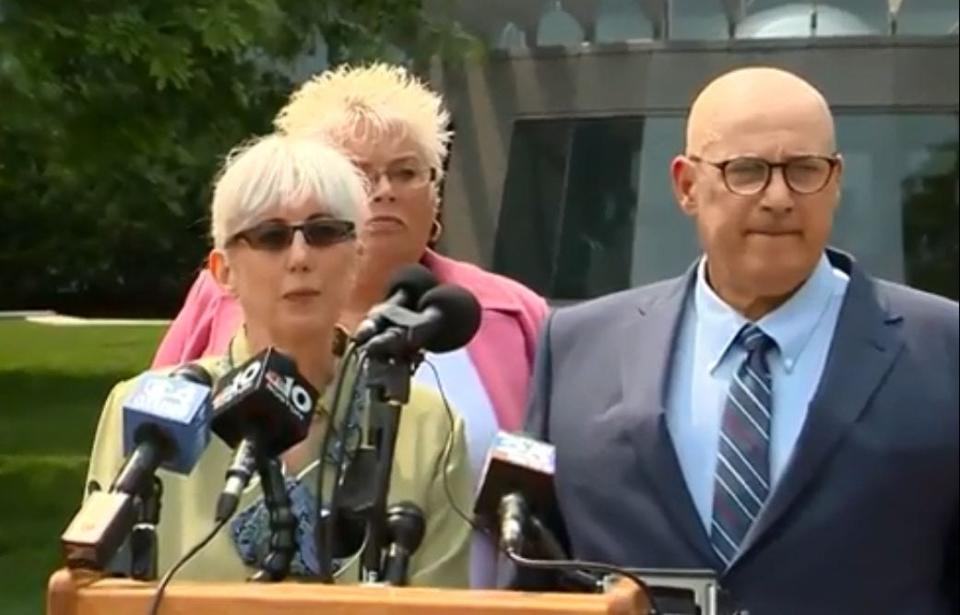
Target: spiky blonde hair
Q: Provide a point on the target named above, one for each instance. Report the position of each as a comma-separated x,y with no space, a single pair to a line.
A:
369,104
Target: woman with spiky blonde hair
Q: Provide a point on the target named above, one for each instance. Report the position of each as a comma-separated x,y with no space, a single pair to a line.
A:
396,131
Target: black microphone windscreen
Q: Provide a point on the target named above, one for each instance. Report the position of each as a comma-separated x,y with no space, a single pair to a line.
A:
266,399
461,317
413,280
406,524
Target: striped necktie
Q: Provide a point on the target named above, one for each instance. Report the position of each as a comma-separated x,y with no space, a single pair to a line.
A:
742,477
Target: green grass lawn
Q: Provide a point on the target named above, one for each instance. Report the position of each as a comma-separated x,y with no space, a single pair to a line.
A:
53,381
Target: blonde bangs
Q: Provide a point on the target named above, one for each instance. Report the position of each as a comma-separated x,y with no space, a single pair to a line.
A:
280,171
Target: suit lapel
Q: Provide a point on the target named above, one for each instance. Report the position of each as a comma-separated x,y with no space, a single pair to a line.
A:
645,368
862,351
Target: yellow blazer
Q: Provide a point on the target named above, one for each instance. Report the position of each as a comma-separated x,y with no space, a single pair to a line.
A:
188,503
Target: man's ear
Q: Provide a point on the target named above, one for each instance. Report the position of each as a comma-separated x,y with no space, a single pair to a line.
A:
683,177
219,266
838,180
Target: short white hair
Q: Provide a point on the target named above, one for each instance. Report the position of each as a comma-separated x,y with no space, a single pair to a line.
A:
284,171
370,104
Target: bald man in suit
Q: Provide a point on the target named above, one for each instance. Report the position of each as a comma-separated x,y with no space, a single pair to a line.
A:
774,413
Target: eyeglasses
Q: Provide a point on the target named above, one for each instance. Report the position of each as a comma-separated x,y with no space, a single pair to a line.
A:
748,176
274,236
400,176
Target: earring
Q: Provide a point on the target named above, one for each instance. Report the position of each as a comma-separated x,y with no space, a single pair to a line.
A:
435,231
341,338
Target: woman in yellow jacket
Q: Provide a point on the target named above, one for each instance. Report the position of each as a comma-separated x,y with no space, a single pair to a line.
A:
284,215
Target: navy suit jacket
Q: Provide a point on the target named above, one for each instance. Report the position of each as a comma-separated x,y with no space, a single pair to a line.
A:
865,516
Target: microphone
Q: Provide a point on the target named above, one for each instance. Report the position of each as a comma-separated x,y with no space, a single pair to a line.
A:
406,287
405,529
448,318
516,494
165,425
261,408
451,317
514,521
516,486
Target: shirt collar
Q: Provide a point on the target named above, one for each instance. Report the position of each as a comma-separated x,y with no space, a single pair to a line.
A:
717,323
238,352
791,325
239,347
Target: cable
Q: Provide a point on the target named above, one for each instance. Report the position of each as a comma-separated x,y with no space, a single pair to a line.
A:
161,588
568,565
580,565
342,457
341,460
321,533
448,450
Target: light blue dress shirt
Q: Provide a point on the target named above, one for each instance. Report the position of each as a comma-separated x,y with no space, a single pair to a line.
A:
706,358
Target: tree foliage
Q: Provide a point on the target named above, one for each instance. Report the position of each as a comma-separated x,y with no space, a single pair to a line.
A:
114,115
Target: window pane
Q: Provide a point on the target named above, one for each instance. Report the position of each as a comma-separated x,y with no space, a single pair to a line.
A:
664,241
621,20
533,190
792,19
558,27
775,19
932,17
596,233
697,20
853,18
566,224
898,209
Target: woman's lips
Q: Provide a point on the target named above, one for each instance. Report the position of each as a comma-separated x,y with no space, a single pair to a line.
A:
301,294
384,223
774,233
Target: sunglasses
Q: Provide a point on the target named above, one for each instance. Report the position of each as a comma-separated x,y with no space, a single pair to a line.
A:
274,236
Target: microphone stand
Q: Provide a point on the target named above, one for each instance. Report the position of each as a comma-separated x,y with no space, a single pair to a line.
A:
389,368
143,537
283,542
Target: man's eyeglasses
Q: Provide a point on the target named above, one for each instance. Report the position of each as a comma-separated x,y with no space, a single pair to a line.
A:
748,176
274,236
400,176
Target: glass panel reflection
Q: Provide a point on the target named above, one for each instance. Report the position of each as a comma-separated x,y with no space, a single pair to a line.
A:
697,20
928,17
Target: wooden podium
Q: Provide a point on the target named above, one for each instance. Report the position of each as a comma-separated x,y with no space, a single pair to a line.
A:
77,593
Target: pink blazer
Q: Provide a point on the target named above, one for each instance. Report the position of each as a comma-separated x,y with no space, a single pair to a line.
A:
502,351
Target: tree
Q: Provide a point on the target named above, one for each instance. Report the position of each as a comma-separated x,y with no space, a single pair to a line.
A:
116,113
